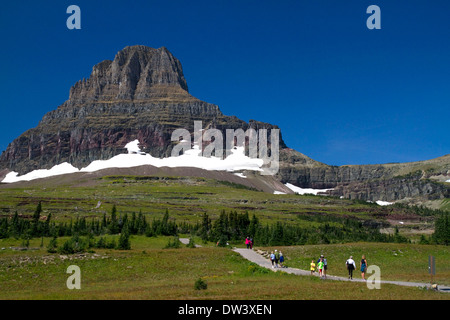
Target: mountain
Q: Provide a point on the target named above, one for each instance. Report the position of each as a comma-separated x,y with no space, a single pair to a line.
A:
142,94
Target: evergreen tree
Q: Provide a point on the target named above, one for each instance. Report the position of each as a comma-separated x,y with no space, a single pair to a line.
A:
253,226
113,226
4,228
277,235
14,228
35,221
205,228
441,233
133,224
52,245
124,241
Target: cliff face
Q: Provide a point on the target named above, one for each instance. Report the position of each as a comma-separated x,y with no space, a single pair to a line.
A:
137,73
387,182
141,94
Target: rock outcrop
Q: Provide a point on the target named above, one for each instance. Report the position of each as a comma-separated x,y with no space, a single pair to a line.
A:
387,182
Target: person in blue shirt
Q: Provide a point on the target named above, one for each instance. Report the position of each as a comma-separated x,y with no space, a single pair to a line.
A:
325,265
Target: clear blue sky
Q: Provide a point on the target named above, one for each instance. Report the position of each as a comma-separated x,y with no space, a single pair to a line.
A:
341,93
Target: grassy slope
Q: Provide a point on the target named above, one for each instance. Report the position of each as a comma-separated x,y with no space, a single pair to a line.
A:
150,272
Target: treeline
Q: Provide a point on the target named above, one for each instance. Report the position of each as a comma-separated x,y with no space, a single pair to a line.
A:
115,223
229,227
86,234
235,226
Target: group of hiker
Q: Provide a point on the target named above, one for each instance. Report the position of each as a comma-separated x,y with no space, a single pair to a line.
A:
277,259
249,242
350,263
321,265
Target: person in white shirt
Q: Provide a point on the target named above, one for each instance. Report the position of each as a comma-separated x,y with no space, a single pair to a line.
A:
350,263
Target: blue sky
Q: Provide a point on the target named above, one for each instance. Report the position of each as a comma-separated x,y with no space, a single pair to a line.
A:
341,93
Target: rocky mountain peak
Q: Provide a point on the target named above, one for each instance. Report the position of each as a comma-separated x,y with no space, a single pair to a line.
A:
136,73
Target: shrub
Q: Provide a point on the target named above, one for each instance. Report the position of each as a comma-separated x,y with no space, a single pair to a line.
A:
191,243
174,243
124,241
200,284
52,245
73,245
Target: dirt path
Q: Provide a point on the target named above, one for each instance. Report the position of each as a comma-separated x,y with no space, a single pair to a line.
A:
257,258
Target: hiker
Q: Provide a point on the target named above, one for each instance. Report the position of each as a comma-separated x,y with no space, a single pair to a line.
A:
320,267
251,243
281,259
325,266
312,267
272,258
363,264
277,258
247,242
350,263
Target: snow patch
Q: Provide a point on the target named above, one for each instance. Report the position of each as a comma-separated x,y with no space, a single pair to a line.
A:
239,174
133,147
59,169
305,190
447,180
278,192
383,203
237,161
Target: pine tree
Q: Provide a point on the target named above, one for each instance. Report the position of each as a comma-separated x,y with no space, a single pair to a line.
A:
277,235
35,223
114,224
124,241
253,226
14,227
441,233
4,229
205,228
52,245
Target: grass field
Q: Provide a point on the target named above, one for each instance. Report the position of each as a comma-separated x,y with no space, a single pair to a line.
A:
150,272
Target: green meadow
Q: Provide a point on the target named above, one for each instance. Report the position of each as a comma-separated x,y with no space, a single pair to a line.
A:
148,271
